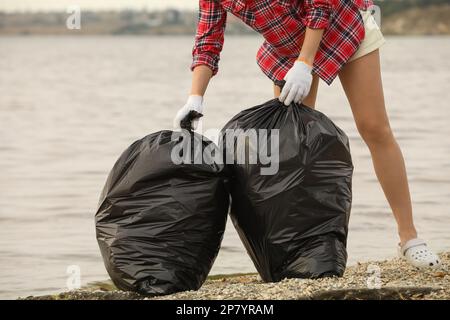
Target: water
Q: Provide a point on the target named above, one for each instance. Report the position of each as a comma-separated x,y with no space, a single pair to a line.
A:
70,106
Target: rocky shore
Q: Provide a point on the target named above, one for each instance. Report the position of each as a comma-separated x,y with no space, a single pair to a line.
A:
389,279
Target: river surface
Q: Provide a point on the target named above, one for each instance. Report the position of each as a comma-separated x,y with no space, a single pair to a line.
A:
70,105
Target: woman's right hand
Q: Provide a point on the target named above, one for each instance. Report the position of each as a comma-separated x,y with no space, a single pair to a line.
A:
194,103
200,79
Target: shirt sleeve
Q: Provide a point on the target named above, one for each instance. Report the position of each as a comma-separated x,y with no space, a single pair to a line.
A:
209,38
317,13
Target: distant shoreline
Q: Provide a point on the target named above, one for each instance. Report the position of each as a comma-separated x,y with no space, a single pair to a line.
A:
87,36
427,20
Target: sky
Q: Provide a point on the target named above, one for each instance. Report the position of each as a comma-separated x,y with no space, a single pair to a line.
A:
25,5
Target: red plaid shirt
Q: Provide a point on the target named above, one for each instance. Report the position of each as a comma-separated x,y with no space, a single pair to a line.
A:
283,23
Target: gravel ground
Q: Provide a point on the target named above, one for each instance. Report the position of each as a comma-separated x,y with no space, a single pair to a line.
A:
390,279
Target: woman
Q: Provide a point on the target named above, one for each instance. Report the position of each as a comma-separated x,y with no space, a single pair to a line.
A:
310,39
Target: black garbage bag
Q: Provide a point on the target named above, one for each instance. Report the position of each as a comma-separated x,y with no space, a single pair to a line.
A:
159,225
293,223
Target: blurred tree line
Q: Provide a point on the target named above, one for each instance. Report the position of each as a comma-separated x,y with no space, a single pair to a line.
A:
389,7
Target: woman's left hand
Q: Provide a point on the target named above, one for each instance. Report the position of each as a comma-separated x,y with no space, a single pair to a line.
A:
298,83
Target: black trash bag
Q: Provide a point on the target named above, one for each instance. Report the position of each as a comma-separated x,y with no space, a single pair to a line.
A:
159,225
293,223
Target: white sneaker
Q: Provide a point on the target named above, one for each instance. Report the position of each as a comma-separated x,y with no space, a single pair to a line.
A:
416,252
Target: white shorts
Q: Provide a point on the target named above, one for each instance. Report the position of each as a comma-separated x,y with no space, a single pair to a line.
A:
373,39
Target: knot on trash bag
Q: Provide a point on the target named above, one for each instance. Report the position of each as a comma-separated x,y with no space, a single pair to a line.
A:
186,123
281,83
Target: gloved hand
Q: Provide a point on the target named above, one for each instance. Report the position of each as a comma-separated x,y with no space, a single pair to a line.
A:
193,103
298,83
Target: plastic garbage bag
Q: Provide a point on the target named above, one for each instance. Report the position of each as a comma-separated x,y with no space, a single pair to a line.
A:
159,224
294,222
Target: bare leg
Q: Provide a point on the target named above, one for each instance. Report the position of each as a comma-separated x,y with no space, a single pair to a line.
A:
310,100
361,80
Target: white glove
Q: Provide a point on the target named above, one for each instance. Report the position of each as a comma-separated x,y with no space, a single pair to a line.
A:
193,103
298,83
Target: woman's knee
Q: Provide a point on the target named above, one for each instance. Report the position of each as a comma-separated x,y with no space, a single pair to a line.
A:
276,91
373,132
